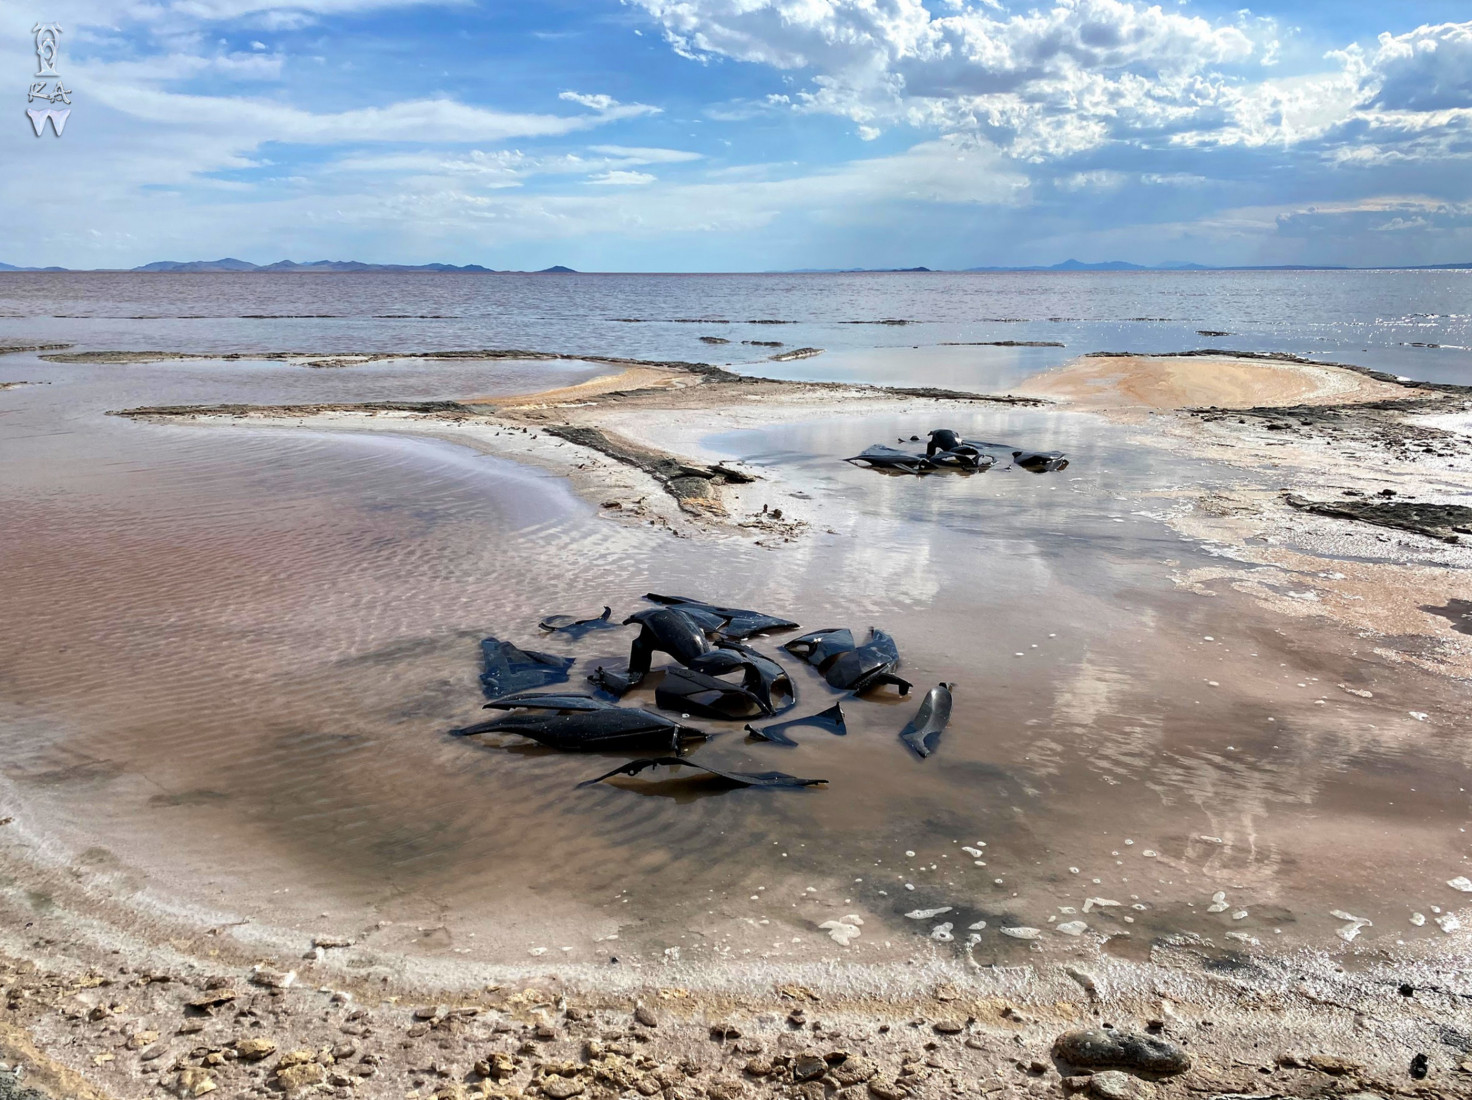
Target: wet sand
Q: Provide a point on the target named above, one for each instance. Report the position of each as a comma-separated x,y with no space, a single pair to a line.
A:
1233,646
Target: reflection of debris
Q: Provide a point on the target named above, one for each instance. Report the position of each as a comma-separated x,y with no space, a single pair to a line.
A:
740,779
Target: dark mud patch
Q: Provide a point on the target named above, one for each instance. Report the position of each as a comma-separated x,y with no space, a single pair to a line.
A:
693,485
1446,522
1457,612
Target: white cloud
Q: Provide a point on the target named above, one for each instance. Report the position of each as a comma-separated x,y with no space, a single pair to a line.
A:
618,178
1045,83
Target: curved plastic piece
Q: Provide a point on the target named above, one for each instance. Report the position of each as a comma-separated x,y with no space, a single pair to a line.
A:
740,779
821,646
882,457
670,630
574,627
830,720
738,622
686,690
761,676
1040,462
869,666
509,668
923,732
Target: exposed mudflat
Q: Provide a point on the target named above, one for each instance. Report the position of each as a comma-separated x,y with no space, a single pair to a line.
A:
1193,672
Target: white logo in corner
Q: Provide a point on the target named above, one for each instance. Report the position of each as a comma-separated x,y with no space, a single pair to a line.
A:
48,51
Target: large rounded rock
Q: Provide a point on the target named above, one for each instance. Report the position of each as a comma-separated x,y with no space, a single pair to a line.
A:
1105,1049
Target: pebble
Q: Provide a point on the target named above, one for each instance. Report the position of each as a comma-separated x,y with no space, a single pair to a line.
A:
926,914
1022,933
644,1015
1100,1049
1462,883
1113,1084
1072,928
942,932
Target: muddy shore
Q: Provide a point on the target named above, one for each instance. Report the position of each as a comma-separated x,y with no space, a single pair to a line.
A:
101,1005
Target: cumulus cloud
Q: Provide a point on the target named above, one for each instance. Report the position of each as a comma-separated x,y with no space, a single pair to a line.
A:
1044,83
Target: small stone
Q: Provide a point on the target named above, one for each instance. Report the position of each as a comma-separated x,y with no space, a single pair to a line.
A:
1113,1084
300,1077
808,1067
885,1088
645,1016
295,1058
501,1066
1100,1049
759,1067
1332,1065
950,1025
560,1088
724,1030
253,1050
854,1070
194,1082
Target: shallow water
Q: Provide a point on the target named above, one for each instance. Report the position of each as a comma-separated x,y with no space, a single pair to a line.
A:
232,656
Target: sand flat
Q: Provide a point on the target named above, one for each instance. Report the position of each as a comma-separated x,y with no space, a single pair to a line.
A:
1159,382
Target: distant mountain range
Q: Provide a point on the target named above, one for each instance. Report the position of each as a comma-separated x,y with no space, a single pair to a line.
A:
230,264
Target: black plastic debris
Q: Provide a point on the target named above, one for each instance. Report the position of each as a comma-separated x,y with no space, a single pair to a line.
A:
689,691
848,667
574,627
923,732
883,457
680,633
738,779
589,725
737,622
509,668
1040,462
830,720
549,700
760,675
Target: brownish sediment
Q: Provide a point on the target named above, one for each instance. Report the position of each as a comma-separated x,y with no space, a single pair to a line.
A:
12,349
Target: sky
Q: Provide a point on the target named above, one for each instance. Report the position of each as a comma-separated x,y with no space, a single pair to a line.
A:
742,135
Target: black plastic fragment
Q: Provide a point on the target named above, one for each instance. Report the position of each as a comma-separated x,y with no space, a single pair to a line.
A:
738,622
509,668
923,732
740,779
574,627
850,667
598,729
680,633
830,720
693,692
760,675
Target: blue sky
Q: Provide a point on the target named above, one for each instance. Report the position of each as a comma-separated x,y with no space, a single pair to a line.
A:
699,135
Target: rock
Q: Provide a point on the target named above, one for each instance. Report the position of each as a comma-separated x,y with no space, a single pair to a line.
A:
854,1070
724,1030
194,1082
272,979
1114,1084
1332,1065
759,1067
808,1067
300,1077
295,1058
884,1088
211,1001
950,1025
644,1015
560,1088
501,1066
253,1050
1101,1049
